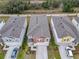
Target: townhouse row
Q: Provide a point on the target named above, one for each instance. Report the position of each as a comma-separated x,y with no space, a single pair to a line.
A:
65,31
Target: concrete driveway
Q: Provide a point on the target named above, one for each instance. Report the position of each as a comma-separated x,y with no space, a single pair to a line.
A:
63,53
41,52
9,53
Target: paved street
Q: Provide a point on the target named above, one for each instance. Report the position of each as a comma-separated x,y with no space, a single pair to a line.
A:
63,53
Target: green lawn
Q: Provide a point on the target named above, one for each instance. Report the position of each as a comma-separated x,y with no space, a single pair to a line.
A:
53,51
2,55
23,49
21,54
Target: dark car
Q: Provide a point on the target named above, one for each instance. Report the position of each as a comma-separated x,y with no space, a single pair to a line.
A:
14,53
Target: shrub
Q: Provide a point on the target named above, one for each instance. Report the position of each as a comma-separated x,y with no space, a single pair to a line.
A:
56,4
45,5
36,6
76,3
68,5
15,6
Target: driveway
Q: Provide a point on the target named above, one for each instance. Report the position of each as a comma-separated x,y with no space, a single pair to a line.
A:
63,53
9,53
41,52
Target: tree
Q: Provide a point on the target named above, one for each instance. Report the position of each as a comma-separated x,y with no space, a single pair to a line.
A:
15,6
76,3
68,5
56,3
47,4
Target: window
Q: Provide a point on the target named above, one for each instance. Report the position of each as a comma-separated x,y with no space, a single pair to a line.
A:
34,47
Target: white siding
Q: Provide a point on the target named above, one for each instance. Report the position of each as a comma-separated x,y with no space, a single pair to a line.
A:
1,24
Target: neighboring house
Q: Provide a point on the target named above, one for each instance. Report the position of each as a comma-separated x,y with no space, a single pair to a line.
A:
75,22
38,31
13,31
39,35
64,31
1,25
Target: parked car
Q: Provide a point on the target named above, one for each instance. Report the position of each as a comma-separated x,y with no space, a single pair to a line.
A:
69,52
67,48
14,53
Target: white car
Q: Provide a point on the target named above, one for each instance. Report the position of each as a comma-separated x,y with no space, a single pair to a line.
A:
69,52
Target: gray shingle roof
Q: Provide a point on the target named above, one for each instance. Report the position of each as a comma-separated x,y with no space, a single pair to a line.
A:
13,27
38,26
77,19
64,27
